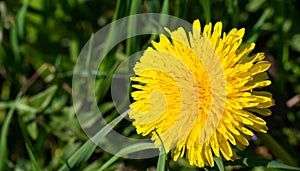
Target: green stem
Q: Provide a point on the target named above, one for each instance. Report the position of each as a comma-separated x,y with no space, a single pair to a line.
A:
276,149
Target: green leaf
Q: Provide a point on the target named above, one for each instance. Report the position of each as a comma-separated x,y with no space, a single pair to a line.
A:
164,10
219,163
89,55
36,103
3,140
22,107
106,106
80,156
85,152
42,100
153,6
259,161
31,127
112,28
21,18
59,102
206,7
257,26
131,43
15,46
165,7
277,165
127,150
5,105
28,144
161,164
276,148
34,163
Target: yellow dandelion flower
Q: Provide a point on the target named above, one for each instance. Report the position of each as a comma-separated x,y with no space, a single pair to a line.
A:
197,92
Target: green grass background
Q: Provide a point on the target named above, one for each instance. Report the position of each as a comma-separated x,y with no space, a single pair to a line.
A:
40,42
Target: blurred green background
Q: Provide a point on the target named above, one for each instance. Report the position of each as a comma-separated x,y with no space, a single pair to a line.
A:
41,40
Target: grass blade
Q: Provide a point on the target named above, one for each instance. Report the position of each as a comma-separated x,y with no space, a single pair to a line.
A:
87,149
164,10
3,140
276,149
255,162
34,163
206,8
21,18
41,100
161,164
277,165
18,31
80,156
130,149
131,42
112,28
15,46
165,7
255,30
28,144
219,163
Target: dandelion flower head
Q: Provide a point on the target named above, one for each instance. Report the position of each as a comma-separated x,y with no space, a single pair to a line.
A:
198,92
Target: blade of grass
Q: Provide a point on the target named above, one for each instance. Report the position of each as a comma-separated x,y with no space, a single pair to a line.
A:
165,7
18,31
258,161
41,100
112,27
276,149
28,144
277,165
89,55
255,29
34,163
2,18
5,105
80,156
4,132
130,149
15,46
21,18
206,7
219,163
131,42
164,10
5,126
161,164
232,10
87,149
181,8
